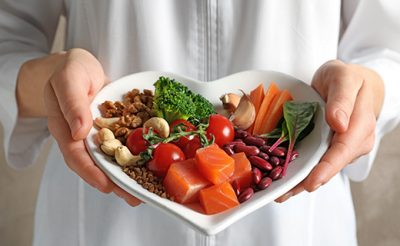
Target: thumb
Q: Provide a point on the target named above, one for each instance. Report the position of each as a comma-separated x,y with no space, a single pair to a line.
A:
72,86
340,102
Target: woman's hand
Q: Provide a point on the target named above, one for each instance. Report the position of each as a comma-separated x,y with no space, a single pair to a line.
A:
354,97
74,78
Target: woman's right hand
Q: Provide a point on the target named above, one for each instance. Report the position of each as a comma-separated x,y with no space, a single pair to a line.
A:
76,80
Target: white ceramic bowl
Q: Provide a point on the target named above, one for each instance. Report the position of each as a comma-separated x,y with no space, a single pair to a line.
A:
311,148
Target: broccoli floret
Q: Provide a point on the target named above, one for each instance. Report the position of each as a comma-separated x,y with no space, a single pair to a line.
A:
203,108
173,101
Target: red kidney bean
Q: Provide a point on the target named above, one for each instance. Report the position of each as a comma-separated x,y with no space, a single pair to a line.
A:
265,148
228,150
260,163
250,140
263,155
236,187
284,149
232,144
246,195
274,161
248,150
277,152
294,156
237,140
241,134
281,161
257,175
276,173
264,183
262,137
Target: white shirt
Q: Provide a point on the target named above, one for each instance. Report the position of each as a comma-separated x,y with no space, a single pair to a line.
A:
204,40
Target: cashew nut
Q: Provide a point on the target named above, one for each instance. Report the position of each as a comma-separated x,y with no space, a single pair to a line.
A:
124,157
109,146
105,134
106,122
158,124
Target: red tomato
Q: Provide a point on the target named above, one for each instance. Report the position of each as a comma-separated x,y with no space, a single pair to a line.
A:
163,156
191,147
187,127
221,128
135,141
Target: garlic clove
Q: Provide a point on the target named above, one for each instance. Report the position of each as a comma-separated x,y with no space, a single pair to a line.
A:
230,101
245,114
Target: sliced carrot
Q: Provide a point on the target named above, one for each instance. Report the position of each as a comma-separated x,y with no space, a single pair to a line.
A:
275,112
218,198
256,97
271,93
183,181
242,172
214,164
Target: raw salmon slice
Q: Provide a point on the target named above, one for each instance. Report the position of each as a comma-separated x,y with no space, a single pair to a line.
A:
183,181
242,172
214,164
218,198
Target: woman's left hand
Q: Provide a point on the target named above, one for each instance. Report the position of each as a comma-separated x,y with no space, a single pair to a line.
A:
354,97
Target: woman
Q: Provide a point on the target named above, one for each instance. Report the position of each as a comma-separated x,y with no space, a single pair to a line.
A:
204,40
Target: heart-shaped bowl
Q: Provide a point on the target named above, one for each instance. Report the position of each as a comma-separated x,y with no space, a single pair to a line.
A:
311,148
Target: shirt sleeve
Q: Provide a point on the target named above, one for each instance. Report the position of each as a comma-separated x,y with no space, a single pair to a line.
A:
27,29
372,39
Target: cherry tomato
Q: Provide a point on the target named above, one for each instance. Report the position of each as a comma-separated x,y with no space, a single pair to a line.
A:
187,127
163,156
191,147
221,128
135,141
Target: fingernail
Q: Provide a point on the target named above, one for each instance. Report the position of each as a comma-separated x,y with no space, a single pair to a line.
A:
96,185
315,187
286,196
341,116
75,126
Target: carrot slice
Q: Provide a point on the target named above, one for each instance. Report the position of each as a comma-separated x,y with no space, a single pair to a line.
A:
275,112
214,164
242,173
256,97
183,181
218,198
271,93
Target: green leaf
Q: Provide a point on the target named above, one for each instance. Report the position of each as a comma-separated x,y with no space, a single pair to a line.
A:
276,133
298,116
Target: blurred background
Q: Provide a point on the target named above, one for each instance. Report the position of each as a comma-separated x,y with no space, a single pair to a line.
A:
376,200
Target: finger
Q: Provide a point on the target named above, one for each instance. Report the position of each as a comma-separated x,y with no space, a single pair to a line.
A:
345,147
131,200
74,152
71,87
75,84
293,192
341,97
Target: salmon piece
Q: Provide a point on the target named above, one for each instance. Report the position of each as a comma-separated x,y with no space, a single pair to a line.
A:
183,181
242,173
218,198
214,164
